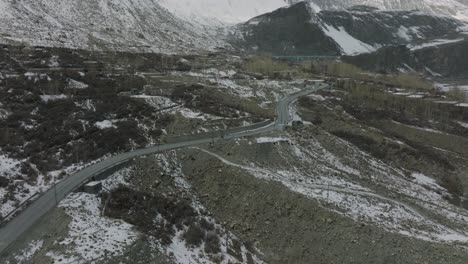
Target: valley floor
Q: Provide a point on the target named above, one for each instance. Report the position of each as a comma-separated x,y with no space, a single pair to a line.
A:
364,174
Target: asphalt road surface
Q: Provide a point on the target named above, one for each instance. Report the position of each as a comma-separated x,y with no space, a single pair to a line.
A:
23,221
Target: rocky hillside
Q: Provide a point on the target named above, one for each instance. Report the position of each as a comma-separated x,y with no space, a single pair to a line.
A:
166,26
300,30
454,8
105,25
220,12
442,60
191,26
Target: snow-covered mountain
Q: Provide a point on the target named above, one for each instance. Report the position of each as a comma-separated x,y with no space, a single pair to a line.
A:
301,30
170,26
151,25
454,8
211,12
103,24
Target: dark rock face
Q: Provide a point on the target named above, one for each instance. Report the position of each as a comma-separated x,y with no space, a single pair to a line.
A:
390,27
299,30
385,60
448,60
287,31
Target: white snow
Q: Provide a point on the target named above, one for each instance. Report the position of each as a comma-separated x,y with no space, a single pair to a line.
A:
319,174
105,124
72,84
8,166
463,124
317,97
118,24
433,73
425,180
403,33
261,140
434,43
158,102
29,251
87,104
417,96
452,8
119,178
3,114
207,12
47,98
189,114
314,7
91,236
179,251
348,44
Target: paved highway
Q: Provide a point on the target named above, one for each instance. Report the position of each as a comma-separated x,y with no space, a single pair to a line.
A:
23,221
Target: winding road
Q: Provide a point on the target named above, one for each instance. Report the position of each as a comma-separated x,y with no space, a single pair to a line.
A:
32,213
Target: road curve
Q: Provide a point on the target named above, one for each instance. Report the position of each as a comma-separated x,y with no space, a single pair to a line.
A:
23,221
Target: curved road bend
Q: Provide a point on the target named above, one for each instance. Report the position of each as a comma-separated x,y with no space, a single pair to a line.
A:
23,221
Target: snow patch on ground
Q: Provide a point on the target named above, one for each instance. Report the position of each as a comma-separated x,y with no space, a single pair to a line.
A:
209,12
130,25
190,114
48,98
324,177
105,124
348,44
87,104
72,84
436,42
261,140
178,249
92,237
158,102
424,180
26,254
403,33
8,166
119,178
463,124
4,114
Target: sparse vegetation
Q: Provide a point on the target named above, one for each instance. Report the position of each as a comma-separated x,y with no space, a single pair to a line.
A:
161,216
265,65
212,243
56,133
346,70
457,94
194,235
3,182
410,80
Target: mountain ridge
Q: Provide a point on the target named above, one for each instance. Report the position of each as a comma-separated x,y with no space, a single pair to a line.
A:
454,8
301,30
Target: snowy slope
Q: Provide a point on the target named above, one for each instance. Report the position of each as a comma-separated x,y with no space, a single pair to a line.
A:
457,9
102,24
348,44
221,11
305,29
150,25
